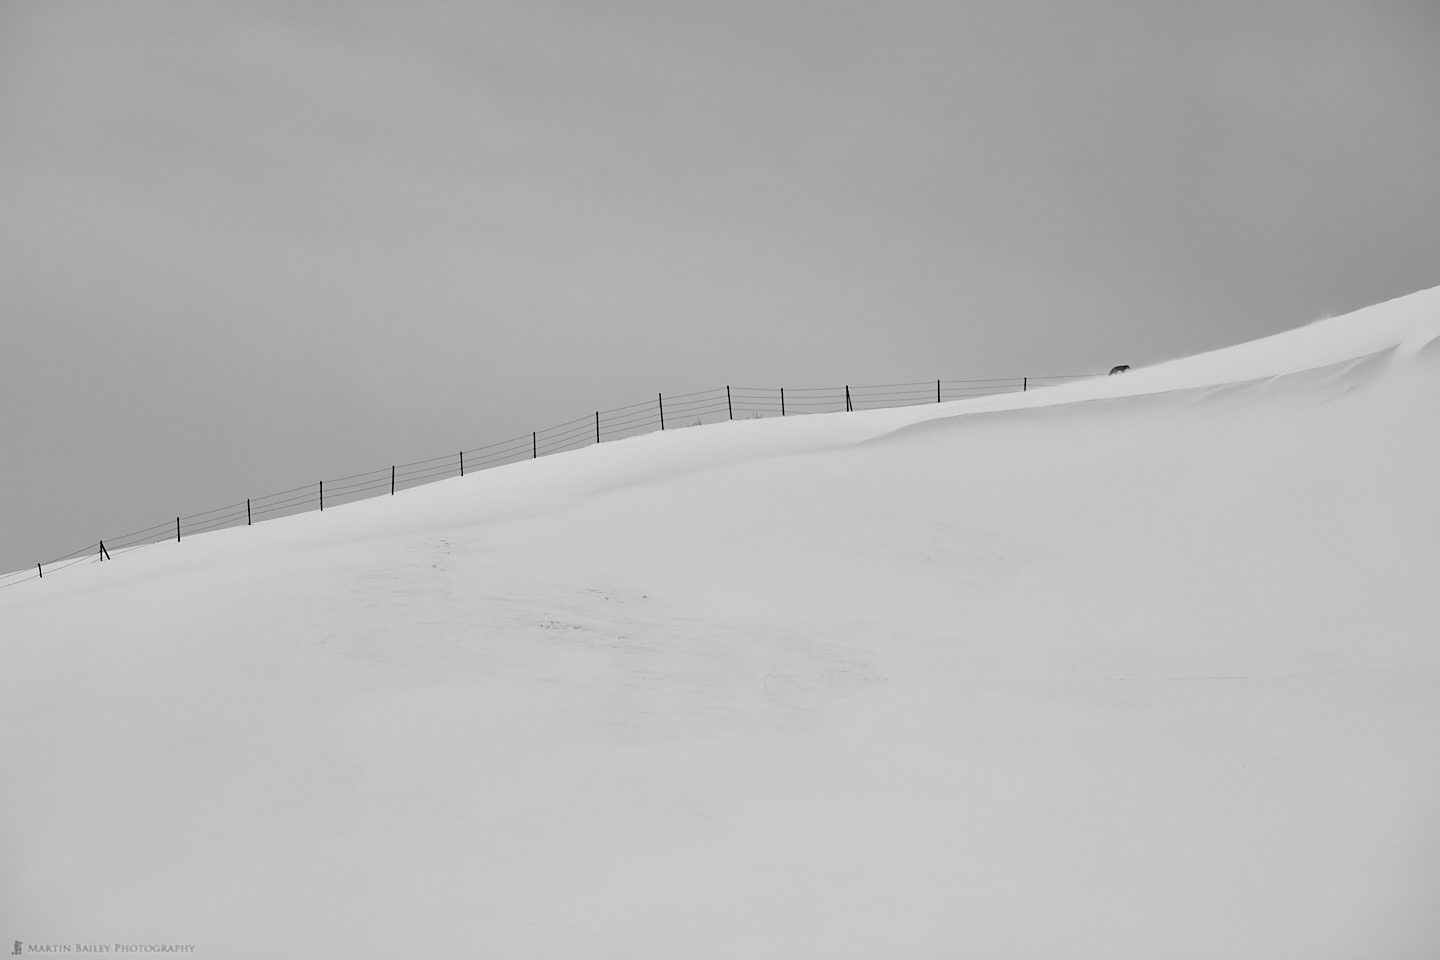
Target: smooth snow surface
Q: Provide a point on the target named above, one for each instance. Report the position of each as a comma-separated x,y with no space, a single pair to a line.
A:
1146,666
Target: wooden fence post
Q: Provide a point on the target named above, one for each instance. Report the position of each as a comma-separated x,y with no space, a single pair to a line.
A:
462,463
729,405
534,445
597,426
392,480
662,410
322,496
177,529
937,391
247,511
104,554
41,568
782,401
848,407
1024,384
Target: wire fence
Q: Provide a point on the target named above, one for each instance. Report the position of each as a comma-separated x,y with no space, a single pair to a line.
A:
646,416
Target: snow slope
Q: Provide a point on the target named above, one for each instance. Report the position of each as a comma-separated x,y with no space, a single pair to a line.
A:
1146,666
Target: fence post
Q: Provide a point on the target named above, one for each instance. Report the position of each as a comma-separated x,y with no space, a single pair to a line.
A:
937,391
104,554
322,496
782,401
729,405
247,511
462,463
848,406
1024,384
534,445
177,529
597,426
662,410
392,480
41,568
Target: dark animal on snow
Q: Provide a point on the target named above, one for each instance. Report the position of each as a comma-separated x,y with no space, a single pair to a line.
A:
1119,369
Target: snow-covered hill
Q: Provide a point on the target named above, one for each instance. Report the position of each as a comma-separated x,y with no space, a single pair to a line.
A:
1146,666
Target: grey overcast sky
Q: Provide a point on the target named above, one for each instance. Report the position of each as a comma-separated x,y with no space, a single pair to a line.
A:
246,245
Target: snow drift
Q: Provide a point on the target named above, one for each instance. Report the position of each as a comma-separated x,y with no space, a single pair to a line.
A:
1142,666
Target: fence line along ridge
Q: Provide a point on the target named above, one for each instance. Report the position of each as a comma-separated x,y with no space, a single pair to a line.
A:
645,416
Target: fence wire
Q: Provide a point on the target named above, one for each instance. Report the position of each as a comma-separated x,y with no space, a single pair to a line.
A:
645,416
